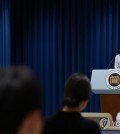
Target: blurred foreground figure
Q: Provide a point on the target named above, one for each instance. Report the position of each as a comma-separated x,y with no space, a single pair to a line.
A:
20,102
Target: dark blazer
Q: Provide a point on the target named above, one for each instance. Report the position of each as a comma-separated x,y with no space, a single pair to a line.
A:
70,123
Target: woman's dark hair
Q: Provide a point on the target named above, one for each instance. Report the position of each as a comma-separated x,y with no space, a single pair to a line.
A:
20,95
77,88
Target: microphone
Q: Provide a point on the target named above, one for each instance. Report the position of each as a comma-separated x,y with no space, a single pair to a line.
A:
111,62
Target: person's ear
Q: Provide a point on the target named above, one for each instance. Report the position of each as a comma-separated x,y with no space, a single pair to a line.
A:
36,123
32,124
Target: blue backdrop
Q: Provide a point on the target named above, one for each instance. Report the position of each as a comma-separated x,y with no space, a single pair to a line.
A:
5,42
59,37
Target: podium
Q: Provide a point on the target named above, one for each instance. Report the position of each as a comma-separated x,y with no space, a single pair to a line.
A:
107,84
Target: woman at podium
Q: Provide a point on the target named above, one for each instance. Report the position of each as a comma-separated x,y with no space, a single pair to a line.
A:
117,61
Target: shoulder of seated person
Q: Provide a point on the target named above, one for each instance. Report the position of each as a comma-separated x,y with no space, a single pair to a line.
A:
91,122
50,118
92,126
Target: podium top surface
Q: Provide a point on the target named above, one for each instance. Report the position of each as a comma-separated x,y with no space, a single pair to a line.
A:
106,81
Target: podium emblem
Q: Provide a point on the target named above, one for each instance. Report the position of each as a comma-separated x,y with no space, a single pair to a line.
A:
104,123
113,80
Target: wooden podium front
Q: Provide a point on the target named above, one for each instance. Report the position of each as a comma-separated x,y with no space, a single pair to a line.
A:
110,103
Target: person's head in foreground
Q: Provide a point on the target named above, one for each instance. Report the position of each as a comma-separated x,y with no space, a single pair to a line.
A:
20,102
77,92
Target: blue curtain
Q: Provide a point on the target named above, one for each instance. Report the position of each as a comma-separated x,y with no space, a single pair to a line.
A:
5,40
59,37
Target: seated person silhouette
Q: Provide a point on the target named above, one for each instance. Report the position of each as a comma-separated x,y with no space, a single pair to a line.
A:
77,92
20,102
